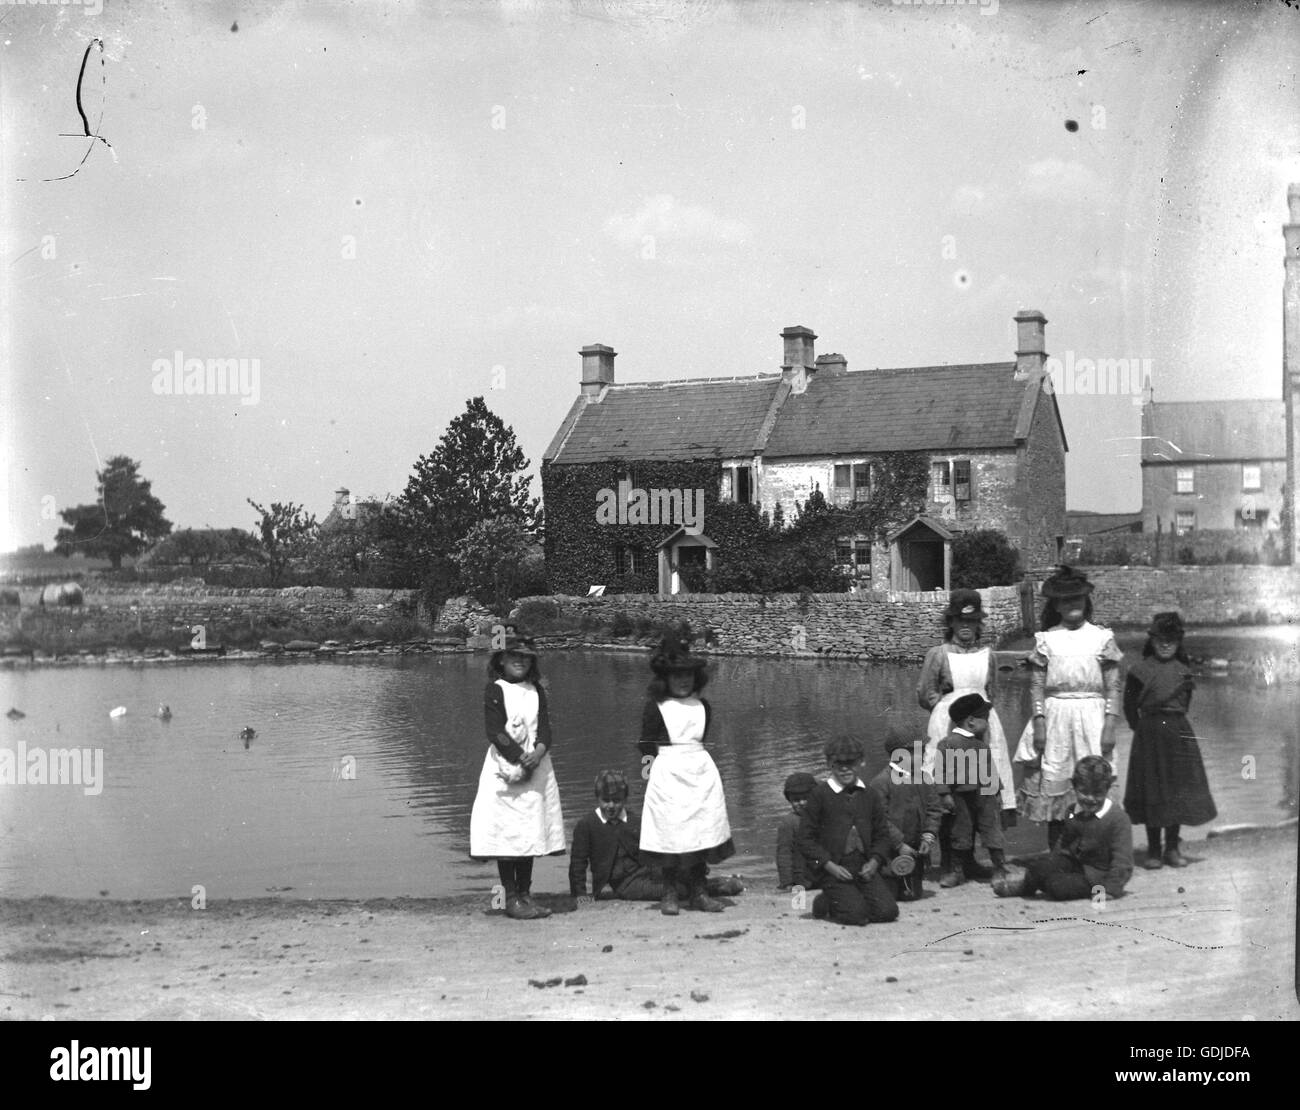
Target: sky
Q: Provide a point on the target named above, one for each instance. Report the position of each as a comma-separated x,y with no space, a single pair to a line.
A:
394,207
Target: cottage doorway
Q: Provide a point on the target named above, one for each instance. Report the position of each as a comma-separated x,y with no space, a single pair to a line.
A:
921,556
682,557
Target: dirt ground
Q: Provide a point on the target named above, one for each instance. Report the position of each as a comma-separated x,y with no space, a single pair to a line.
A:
1216,940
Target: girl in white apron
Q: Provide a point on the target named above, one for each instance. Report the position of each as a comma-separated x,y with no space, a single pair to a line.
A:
516,815
684,823
963,665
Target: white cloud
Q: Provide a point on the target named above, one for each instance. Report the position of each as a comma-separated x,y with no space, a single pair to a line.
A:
664,219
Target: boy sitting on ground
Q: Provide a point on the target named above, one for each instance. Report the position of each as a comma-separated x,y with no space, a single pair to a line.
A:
607,841
912,812
792,869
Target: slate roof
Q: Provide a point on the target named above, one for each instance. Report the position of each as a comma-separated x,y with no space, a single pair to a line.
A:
948,408
1188,432
707,418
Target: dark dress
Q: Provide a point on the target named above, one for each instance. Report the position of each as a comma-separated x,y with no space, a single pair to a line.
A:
1166,778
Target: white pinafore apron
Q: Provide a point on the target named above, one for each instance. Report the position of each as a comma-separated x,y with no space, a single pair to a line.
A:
514,819
970,673
685,810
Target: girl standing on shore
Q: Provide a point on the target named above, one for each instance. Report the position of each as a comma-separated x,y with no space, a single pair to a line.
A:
684,825
1166,786
517,815
963,665
1076,702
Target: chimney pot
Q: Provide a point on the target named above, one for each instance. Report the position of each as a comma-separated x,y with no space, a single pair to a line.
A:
1031,350
597,368
832,365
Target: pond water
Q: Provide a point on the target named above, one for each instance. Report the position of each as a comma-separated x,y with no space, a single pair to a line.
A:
185,803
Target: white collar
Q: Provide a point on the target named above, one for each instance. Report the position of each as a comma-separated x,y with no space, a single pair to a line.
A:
905,776
963,732
602,816
1105,809
835,785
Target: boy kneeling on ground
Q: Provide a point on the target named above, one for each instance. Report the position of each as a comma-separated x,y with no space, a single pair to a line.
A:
844,835
607,840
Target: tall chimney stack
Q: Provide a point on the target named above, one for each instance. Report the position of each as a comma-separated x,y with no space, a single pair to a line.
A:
597,368
1291,372
798,352
1031,350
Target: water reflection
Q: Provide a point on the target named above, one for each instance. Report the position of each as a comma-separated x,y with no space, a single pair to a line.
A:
185,803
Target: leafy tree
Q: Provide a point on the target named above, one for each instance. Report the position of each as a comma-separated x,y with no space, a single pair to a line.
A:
200,546
983,558
477,472
285,533
490,557
355,549
125,520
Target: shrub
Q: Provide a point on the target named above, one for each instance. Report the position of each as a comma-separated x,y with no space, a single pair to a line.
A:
537,610
984,558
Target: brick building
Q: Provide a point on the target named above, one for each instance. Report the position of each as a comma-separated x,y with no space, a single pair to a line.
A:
990,433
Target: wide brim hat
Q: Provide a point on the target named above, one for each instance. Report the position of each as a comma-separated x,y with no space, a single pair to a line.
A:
1066,582
518,642
674,654
966,604
1166,626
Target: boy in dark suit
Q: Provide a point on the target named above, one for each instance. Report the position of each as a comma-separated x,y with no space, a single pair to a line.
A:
912,812
844,836
607,841
964,773
791,867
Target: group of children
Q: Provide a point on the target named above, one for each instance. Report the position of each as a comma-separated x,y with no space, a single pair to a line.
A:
863,846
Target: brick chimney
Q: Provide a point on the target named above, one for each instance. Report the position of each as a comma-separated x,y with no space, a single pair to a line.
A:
597,368
341,497
1031,352
798,352
832,365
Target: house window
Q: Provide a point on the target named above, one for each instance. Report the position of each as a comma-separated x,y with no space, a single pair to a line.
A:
961,484
940,482
854,556
627,560
1184,522
738,484
1250,477
852,483
1184,481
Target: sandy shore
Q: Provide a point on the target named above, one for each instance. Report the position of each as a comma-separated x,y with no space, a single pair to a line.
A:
1213,941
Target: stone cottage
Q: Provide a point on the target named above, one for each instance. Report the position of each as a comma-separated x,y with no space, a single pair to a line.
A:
990,434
